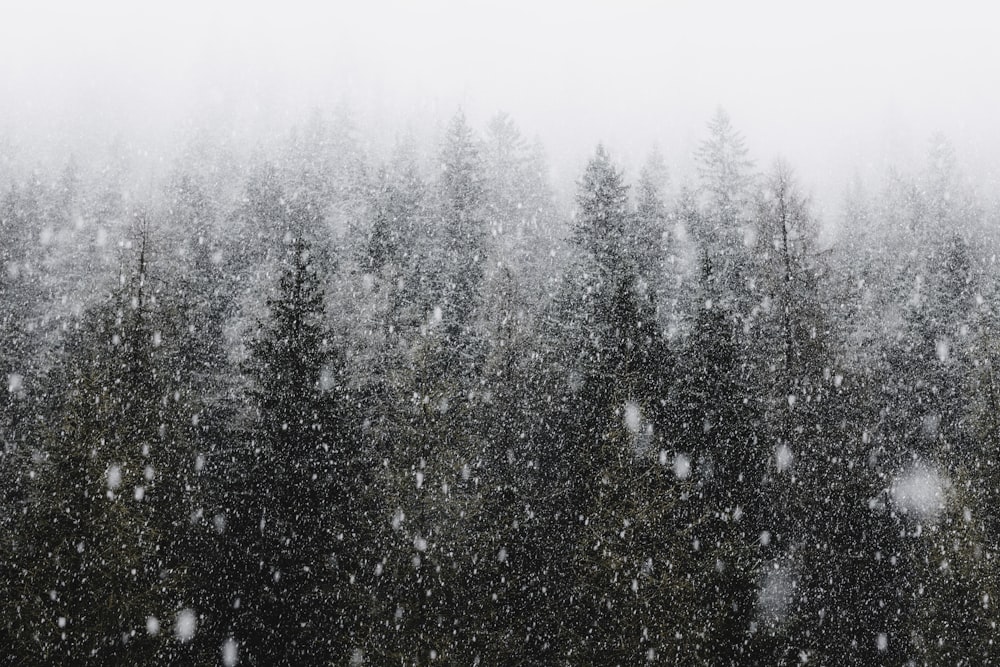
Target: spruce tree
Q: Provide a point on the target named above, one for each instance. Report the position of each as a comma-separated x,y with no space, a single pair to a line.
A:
296,482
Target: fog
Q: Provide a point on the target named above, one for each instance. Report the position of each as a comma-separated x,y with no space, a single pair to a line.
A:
837,89
578,333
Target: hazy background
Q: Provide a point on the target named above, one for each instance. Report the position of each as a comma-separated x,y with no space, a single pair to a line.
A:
835,88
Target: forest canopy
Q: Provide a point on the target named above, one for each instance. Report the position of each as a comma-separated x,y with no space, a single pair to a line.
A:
317,403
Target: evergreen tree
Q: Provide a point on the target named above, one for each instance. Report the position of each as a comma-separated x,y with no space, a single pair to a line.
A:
649,228
463,235
295,519
518,199
106,503
726,179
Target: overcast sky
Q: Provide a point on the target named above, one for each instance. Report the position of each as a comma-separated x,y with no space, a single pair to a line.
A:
830,86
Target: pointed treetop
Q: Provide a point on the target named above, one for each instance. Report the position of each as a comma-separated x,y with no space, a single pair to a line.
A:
602,190
723,162
602,199
502,128
655,167
461,168
941,175
652,182
726,176
458,132
505,145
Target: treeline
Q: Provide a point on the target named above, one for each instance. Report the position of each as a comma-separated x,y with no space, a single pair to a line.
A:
308,407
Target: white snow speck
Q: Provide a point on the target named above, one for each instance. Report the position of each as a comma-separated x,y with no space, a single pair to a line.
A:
930,425
152,626
882,642
783,457
327,378
633,418
919,490
775,594
230,653
114,476
185,625
14,382
682,466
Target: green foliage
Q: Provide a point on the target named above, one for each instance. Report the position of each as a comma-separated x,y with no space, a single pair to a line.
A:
461,428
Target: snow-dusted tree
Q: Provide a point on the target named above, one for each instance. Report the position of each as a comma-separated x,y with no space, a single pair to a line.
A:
257,224
726,186
108,503
201,286
295,481
518,198
463,233
606,368
328,159
788,324
397,210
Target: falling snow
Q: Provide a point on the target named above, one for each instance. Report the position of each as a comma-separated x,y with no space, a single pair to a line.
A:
369,372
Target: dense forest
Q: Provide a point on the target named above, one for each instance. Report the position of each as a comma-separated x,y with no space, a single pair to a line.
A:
312,404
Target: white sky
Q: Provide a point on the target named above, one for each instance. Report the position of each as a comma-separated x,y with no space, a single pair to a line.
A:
830,86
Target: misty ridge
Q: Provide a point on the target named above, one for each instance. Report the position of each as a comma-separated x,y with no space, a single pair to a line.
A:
311,403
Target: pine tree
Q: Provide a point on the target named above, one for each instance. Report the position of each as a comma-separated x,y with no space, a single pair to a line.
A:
649,227
608,368
463,236
396,210
106,502
296,484
518,198
726,179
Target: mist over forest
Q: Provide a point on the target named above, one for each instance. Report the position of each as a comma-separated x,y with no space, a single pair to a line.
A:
313,354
